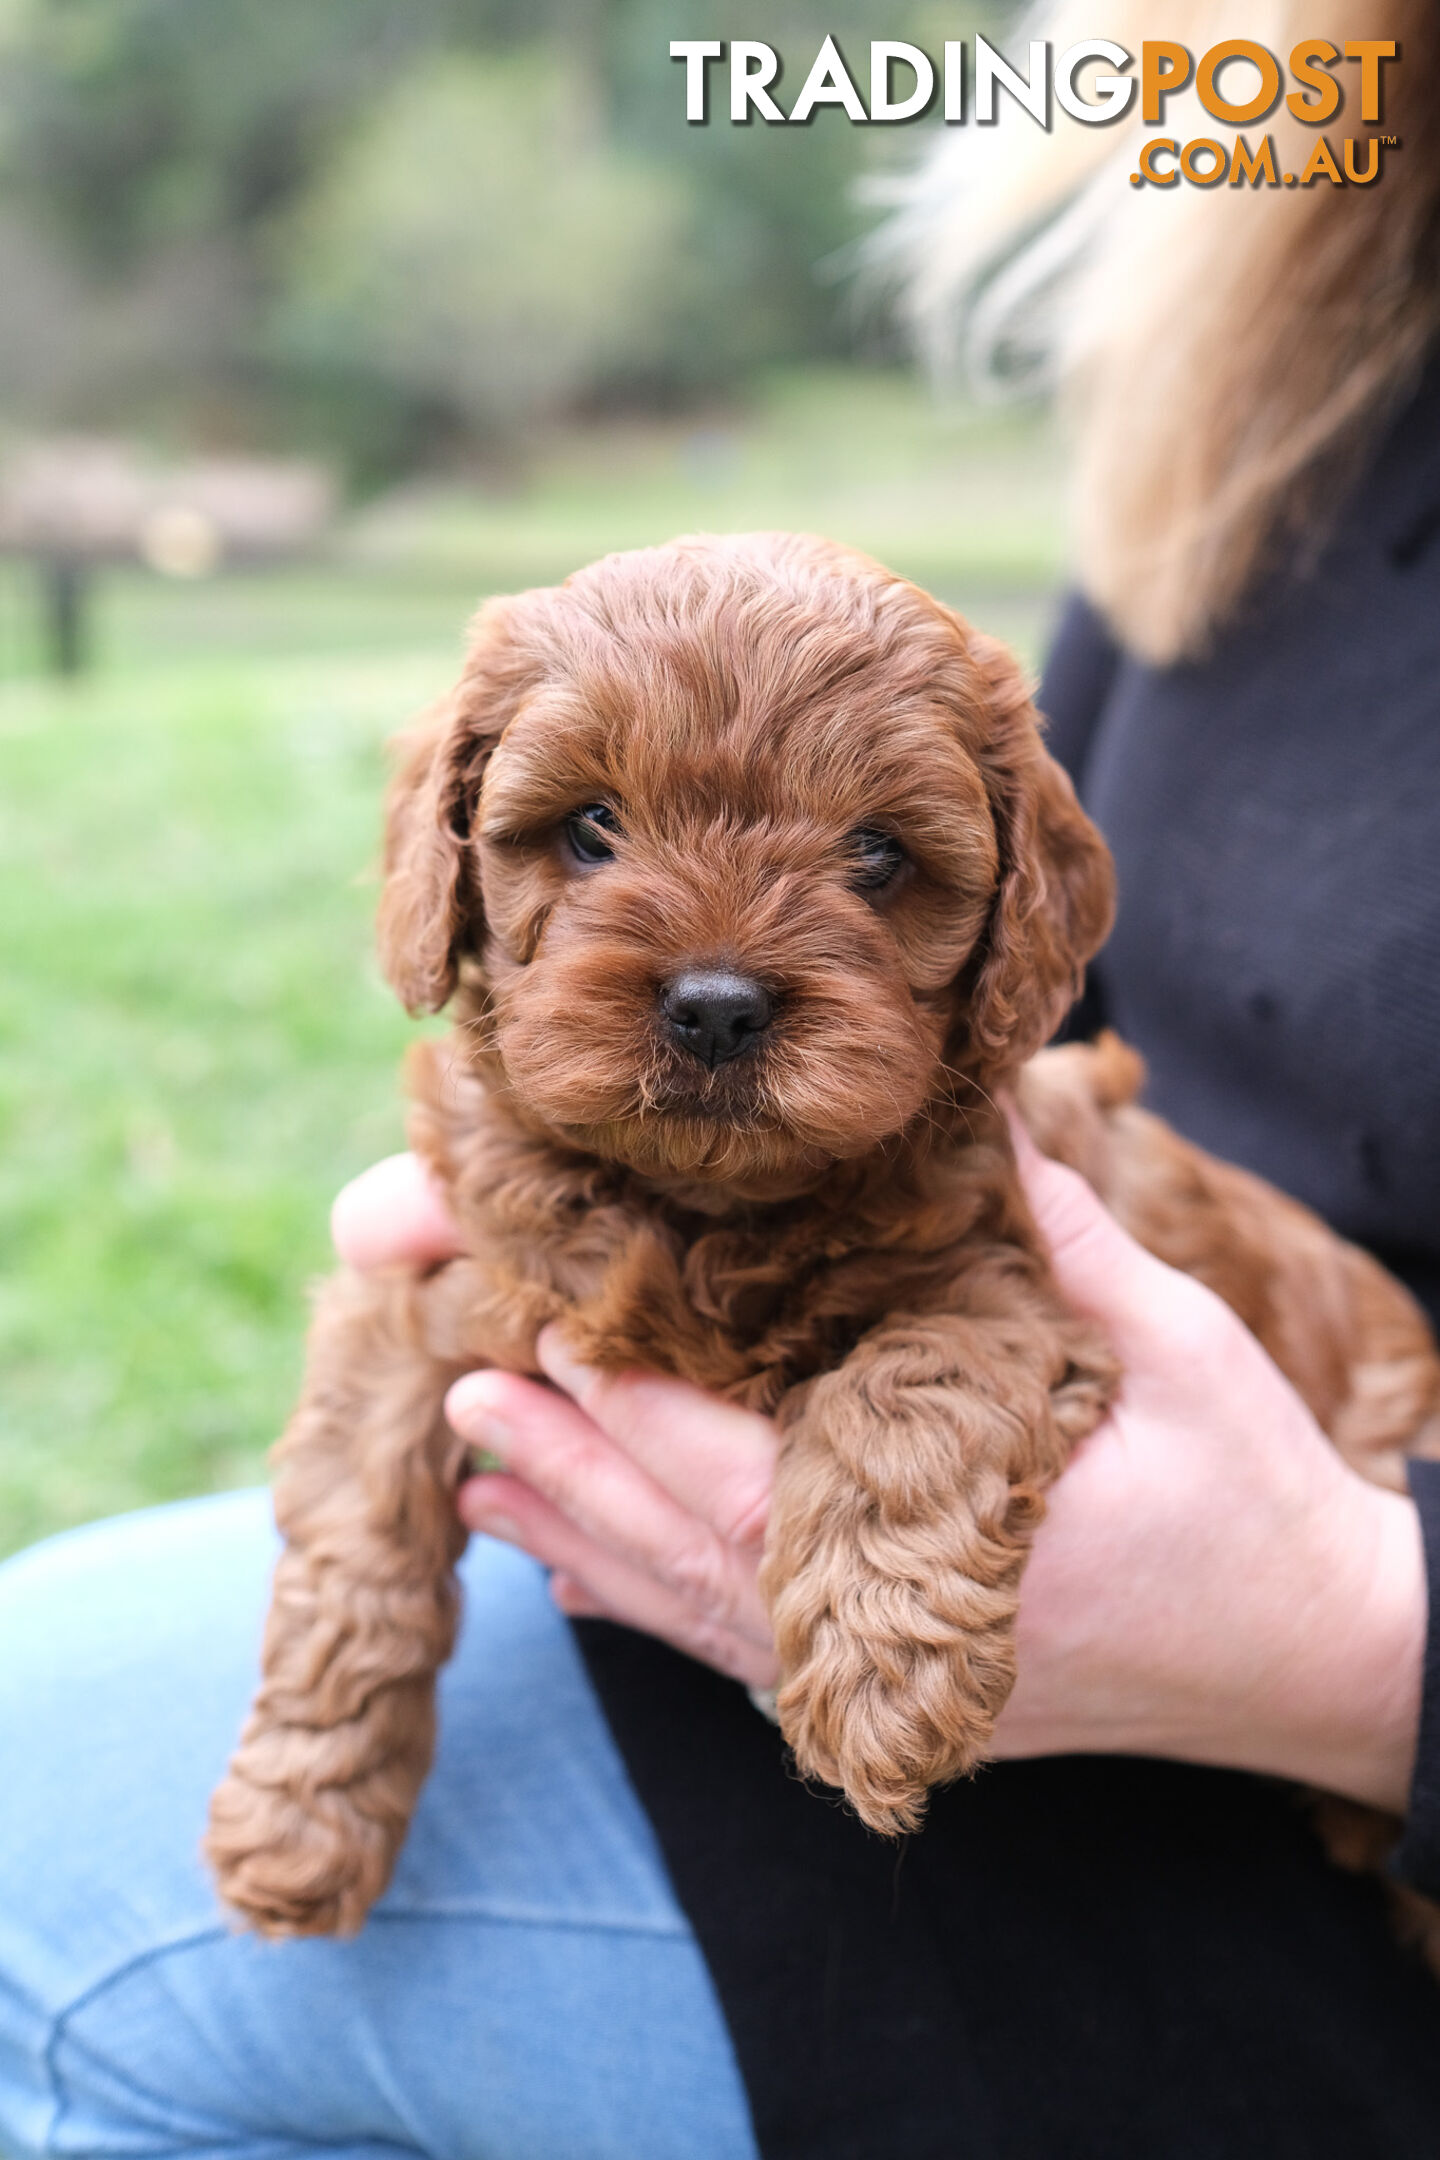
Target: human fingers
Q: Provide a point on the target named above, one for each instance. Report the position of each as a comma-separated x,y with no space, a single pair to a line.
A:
1142,1304
575,1600
393,1215
589,1579
715,1460
547,1441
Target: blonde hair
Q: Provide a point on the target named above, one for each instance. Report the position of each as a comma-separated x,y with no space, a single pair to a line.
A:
1225,355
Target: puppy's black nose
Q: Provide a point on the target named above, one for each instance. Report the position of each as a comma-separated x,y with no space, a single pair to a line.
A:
714,1014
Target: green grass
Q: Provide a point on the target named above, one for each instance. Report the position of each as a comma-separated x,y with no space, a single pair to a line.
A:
194,1051
195,1047
958,498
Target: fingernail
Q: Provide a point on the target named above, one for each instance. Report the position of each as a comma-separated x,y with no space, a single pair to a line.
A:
470,1407
557,1362
496,1526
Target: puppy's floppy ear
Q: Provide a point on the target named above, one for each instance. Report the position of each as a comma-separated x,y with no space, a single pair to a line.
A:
430,905
1055,902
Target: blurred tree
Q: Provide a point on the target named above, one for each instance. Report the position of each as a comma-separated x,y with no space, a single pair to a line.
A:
780,208
479,247
176,248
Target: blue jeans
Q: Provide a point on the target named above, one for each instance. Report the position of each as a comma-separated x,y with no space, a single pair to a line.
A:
528,1988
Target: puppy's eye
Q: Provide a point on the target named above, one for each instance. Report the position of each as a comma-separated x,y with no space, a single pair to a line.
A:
874,857
586,828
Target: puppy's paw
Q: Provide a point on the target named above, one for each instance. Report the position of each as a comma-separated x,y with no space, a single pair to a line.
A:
288,1861
887,1731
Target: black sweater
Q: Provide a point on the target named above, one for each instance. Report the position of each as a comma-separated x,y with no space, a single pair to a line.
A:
1092,1959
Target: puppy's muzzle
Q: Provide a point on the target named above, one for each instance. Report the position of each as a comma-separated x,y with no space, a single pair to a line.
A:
715,1015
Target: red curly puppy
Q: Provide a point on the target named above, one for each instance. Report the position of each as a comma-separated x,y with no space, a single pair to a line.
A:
752,883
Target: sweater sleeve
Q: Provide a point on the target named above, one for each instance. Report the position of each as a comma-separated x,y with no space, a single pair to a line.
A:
1417,1858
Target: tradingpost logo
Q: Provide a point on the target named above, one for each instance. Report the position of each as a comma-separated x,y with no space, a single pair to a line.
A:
1239,83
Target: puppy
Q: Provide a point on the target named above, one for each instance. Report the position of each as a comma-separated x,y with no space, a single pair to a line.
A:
751,883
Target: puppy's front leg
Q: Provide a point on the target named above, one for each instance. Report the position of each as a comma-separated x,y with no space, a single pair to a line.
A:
306,1825
905,1499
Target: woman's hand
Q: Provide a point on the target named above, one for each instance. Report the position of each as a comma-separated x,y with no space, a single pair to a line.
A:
647,1498
1210,1583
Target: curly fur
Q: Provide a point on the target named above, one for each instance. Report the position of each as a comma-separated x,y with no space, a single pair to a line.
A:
828,1228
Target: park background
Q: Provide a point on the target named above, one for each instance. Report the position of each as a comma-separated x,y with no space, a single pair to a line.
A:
462,265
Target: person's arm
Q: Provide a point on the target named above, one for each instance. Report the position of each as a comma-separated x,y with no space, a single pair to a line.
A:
1211,1582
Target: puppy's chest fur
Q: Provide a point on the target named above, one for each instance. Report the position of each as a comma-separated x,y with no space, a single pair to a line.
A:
748,1301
